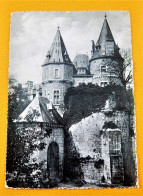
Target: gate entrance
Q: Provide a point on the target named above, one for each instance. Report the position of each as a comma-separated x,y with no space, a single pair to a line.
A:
116,170
53,161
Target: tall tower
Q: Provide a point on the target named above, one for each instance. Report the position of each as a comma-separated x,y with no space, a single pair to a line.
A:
106,61
57,72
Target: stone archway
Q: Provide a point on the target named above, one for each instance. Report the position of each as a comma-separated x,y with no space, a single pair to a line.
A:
53,161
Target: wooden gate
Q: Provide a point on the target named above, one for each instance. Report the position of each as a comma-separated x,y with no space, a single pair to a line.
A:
53,161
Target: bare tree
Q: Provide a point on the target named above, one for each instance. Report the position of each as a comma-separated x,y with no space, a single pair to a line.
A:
127,67
122,68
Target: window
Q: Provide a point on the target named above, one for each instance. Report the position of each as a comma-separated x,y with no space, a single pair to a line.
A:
115,143
56,97
56,73
81,71
103,68
102,84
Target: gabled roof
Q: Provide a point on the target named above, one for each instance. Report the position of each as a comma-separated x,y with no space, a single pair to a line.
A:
58,52
40,110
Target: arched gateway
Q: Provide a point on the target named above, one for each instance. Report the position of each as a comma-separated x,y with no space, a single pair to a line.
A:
53,161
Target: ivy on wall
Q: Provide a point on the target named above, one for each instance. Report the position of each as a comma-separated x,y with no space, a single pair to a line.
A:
82,101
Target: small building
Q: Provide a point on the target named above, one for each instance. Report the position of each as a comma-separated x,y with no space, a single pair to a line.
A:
42,131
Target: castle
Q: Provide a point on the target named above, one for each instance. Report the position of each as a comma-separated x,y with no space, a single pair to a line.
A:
59,73
102,140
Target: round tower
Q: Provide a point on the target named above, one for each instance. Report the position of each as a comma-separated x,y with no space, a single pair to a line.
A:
57,72
106,61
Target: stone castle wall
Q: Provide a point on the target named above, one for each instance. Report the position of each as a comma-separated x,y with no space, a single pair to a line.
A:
50,87
50,83
91,173
110,75
79,80
65,72
83,134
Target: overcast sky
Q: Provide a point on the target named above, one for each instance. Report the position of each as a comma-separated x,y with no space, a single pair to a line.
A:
32,34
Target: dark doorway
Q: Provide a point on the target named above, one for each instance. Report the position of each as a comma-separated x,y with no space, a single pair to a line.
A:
116,170
53,161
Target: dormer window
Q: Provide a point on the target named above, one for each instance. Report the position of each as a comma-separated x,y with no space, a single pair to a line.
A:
81,71
56,74
103,68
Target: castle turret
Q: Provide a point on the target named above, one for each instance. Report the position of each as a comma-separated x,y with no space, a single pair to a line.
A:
57,72
106,61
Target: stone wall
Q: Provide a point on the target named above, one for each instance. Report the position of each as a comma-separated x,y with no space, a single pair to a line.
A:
84,132
48,92
65,72
110,75
40,136
91,173
82,79
57,135
61,83
50,87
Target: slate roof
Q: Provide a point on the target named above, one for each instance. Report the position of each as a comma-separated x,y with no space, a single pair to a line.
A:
105,36
81,61
40,110
58,52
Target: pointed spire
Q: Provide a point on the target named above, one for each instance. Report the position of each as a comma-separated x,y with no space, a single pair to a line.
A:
105,45
105,34
58,52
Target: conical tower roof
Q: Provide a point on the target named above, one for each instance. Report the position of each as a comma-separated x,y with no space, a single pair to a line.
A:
105,34
58,52
105,45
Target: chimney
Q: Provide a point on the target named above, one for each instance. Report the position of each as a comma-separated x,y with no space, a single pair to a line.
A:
34,92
